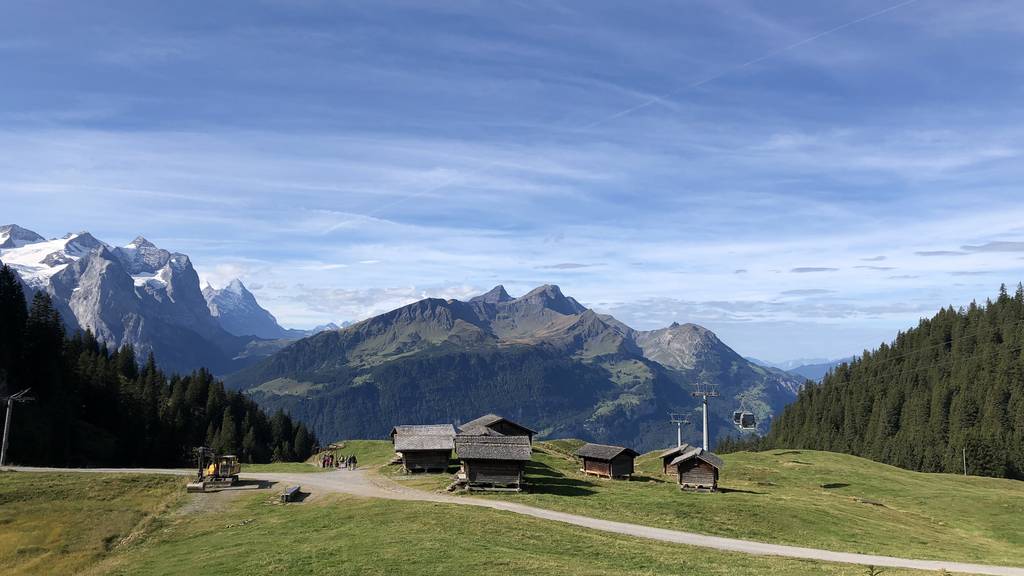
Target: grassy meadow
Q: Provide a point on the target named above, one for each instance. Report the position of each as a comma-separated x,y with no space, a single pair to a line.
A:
803,498
367,452
65,523
143,525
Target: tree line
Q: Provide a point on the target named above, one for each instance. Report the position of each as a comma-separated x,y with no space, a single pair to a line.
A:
953,387
94,406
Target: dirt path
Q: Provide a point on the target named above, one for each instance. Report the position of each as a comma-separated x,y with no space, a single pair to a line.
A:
366,484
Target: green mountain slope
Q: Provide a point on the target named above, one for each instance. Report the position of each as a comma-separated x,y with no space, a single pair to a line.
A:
542,358
952,386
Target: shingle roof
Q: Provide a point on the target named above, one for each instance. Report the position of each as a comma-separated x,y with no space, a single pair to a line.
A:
423,437
603,451
700,454
473,447
675,450
475,426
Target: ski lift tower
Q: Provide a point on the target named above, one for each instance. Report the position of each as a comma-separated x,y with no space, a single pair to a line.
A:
704,391
679,420
10,400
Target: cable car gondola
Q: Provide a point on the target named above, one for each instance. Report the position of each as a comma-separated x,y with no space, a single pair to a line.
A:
744,419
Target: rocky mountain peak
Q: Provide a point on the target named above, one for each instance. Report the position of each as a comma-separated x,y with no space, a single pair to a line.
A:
14,236
237,287
140,242
550,296
495,295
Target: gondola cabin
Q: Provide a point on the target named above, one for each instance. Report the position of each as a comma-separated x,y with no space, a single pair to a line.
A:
496,463
492,424
744,420
424,448
697,469
606,461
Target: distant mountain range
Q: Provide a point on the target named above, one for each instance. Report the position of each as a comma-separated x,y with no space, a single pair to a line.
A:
145,296
542,358
810,368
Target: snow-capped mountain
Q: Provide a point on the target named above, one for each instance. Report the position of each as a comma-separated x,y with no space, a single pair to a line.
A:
240,314
137,294
14,236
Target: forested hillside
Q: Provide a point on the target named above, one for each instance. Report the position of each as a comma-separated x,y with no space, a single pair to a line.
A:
93,406
954,382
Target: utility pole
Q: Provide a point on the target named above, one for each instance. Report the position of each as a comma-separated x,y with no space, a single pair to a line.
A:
679,420
705,391
16,397
965,460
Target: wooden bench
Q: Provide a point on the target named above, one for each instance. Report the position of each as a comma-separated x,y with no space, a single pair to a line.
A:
290,494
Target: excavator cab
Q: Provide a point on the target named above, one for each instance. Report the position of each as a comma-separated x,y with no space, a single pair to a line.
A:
214,471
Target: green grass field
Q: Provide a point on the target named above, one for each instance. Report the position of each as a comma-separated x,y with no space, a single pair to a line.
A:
367,453
80,523
803,498
64,523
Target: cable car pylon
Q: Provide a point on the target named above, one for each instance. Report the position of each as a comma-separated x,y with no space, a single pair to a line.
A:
704,391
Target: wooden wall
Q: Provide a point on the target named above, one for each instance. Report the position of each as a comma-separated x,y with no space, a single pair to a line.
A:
621,465
697,473
494,471
506,429
417,460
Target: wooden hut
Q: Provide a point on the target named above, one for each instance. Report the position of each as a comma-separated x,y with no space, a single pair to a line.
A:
493,424
697,469
492,462
424,448
607,461
671,454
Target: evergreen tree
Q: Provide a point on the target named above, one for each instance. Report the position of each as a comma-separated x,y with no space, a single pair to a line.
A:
953,384
13,315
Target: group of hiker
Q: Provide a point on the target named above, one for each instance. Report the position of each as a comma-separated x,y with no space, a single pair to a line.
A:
331,461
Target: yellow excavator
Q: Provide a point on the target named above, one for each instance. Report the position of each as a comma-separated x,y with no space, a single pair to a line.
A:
214,471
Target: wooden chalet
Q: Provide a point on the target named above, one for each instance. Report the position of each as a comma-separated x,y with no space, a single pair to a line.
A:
493,424
424,448
607,461
491,461
694,468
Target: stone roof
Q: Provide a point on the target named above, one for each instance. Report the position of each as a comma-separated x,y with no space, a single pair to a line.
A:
476,447
603,451
423,437
478,425
675,450
699,454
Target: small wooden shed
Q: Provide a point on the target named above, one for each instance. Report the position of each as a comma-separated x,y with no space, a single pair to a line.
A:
492,423
607,461
697,469
492,462
424,448
669,455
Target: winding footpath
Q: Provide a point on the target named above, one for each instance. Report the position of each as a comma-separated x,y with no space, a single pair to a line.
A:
365,484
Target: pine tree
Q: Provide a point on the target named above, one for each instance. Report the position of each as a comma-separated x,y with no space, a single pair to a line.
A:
953,383
13,315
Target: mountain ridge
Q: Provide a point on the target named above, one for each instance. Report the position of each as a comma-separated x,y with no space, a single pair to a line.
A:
137,294
386,364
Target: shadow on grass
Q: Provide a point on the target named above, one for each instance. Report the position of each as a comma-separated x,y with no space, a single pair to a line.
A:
559,486
834,485
543,479
654,479
738,491
784,453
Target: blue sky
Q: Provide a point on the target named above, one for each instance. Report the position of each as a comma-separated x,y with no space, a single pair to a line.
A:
804,178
